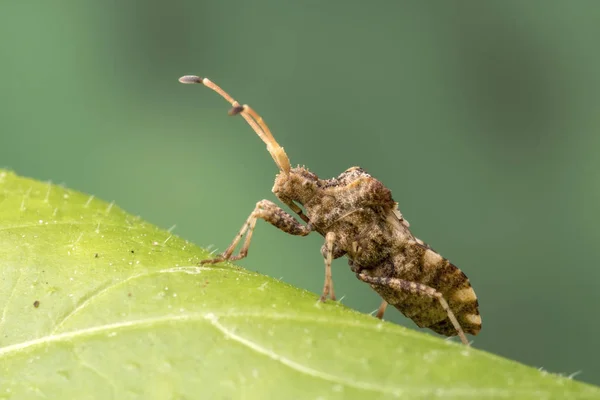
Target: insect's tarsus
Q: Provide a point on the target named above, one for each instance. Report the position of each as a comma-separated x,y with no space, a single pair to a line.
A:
381,309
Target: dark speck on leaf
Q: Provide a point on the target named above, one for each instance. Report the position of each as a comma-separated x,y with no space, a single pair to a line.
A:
36,303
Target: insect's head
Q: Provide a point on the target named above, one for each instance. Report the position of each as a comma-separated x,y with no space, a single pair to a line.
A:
300,185
253,119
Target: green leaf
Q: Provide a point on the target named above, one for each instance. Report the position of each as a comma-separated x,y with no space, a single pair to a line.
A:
97,303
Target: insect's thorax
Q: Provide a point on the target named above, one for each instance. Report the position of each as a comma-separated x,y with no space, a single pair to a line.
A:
355,206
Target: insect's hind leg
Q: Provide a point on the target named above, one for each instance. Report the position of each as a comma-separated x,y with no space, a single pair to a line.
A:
381,309
271,213
419,289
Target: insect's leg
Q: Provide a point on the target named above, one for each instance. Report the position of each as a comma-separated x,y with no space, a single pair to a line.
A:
328,285
271,213
420,289
381,309
294,207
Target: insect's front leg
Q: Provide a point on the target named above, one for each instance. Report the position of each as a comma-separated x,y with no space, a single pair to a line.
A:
271,213
402,285
294,207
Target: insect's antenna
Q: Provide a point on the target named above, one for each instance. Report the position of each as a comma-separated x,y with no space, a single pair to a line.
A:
252,118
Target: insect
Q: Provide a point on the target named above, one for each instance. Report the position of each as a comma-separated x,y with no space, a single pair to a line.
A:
358,218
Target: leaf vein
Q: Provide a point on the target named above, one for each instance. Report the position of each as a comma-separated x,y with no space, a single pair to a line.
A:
212,319
10,297
91,296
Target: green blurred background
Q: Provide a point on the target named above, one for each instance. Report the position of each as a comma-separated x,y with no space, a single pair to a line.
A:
481,117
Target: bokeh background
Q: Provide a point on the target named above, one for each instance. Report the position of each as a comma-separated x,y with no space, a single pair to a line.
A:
481,117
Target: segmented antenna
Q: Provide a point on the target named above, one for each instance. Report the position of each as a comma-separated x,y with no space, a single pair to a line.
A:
252,118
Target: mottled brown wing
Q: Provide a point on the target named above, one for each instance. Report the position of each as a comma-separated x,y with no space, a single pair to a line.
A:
440,274
420,263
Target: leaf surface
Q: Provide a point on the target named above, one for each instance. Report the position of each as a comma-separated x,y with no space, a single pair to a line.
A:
96,303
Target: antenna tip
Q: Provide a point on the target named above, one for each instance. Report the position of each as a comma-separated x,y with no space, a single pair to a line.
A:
188,79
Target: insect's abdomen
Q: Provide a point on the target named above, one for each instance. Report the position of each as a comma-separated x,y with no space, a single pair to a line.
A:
418,263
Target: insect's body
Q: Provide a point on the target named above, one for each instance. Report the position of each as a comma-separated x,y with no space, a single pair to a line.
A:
359,219
374,236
